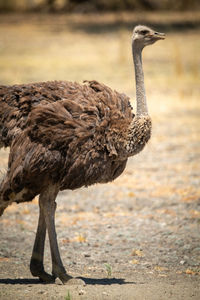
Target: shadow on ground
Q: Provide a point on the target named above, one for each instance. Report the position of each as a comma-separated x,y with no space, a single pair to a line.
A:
88,281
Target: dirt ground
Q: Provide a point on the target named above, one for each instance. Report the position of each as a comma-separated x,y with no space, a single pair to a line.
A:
139,236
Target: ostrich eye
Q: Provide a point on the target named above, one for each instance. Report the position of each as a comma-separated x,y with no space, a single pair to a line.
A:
144,32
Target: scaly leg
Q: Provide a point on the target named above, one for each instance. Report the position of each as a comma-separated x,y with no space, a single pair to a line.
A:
48,204
36,264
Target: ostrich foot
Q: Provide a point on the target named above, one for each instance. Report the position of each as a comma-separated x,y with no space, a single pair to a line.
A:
45,277
68,280
37,270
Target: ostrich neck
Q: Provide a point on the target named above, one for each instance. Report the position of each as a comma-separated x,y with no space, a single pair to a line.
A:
139,131
139,78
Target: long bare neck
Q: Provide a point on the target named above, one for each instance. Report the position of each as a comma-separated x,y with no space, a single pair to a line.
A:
139,78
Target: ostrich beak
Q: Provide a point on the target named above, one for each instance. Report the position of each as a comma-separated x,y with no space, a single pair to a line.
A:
159,35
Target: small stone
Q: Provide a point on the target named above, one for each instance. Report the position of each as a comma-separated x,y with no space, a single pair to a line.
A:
186,247
41,292
81,292
182,262
87,255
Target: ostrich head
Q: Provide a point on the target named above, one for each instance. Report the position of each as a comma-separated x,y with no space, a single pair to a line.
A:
143,36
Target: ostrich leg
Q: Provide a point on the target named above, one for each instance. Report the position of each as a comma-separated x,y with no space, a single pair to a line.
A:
36,264
48,206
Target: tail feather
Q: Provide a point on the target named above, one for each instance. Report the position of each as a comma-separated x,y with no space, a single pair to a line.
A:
8,194
3,203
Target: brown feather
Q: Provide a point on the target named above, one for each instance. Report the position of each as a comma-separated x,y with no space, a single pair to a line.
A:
67,133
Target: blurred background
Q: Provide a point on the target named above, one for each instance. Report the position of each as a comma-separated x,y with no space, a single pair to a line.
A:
97,5
75,40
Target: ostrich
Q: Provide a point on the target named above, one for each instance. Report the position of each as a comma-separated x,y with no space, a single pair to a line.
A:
65,135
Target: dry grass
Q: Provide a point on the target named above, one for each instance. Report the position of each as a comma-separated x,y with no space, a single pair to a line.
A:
42,49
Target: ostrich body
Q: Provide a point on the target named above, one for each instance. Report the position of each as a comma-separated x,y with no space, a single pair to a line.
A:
64,135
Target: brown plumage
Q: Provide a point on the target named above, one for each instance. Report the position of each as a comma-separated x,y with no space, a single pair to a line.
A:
77,141
64,135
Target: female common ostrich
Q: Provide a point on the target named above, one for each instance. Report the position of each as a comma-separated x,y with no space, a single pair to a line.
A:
64,135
